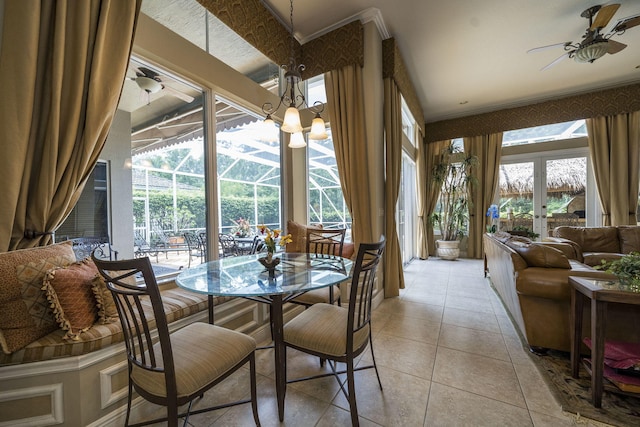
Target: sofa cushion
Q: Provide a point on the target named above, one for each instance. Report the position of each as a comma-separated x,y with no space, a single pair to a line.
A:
591,239
538,255
26,315
599,258
70,295
629,239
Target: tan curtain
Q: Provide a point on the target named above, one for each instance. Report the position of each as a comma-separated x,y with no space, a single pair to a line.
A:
487,150
345,99
62,67
614,145
393,273
421,188
431,191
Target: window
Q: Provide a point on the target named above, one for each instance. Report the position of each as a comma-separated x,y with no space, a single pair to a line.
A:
90,216
248,165
326,201
554,132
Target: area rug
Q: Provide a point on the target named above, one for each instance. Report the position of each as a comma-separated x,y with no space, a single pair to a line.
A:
575,394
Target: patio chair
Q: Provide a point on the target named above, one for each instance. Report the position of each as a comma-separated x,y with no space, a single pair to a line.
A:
172,369
194,246
228,245
340,334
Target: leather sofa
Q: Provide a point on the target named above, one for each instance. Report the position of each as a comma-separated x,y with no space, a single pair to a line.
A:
593,245
531,278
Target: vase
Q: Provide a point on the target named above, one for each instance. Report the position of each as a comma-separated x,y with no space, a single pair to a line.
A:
448,249
270,263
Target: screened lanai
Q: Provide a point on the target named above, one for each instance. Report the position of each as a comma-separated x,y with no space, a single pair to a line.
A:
169,185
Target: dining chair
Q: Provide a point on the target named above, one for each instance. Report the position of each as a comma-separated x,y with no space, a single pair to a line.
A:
327,244
340,334
175,368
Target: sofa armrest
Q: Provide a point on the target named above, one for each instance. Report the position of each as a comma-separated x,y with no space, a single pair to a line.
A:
567,249
577,250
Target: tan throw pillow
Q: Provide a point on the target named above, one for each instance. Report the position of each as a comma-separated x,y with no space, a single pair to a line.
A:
25,314
107,311
298,236
537,255
70,295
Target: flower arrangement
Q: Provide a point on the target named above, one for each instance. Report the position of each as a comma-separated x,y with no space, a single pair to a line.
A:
242,228
493,214
271,238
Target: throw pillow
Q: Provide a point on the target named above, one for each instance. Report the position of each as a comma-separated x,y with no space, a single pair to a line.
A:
70,295
538,255
26,315
298,236
107,311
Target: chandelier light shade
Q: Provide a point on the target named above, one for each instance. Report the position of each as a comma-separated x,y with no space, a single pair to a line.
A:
318,129
296,140
592,51
291,123
293,97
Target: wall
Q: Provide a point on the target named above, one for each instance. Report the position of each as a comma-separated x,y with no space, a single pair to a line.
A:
373,100
117,151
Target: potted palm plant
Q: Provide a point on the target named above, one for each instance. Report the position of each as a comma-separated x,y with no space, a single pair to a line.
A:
451,174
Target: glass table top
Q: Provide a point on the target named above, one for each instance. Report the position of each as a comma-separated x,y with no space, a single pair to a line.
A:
244,276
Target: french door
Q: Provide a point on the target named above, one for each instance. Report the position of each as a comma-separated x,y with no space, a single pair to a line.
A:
542,191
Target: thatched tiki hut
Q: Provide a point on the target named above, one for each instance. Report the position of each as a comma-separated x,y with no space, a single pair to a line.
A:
566,179
567,176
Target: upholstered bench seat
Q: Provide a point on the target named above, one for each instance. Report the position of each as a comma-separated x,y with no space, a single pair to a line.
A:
178,304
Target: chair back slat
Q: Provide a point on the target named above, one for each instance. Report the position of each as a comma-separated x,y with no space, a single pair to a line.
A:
362,286
325,242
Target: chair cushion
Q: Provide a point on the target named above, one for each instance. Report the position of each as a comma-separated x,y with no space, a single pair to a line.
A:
26,315
317,296
201,354
69,293
323,328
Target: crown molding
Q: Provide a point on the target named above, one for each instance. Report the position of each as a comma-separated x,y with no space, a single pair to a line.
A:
366,16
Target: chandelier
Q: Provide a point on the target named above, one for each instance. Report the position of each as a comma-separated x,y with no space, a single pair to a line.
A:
293,97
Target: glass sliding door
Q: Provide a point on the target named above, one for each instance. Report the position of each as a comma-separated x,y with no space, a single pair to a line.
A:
407,209
544,192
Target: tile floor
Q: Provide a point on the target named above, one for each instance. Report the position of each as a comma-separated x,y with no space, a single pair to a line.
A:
448,355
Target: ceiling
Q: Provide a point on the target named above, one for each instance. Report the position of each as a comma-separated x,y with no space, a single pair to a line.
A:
470,56
464,57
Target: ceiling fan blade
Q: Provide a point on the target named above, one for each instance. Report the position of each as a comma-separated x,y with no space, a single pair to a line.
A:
604,16
186,98
626,23
614,46
541,48
556,61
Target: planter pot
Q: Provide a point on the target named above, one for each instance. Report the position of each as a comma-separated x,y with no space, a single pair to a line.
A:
448,249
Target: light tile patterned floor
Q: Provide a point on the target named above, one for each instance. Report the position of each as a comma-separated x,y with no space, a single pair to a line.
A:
448,356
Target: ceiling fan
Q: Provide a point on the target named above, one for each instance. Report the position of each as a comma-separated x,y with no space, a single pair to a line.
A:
150,82
594,43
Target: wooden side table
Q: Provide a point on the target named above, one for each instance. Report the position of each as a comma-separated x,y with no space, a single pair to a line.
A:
600,293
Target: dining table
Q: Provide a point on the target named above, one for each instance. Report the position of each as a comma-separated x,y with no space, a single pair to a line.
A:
244,276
